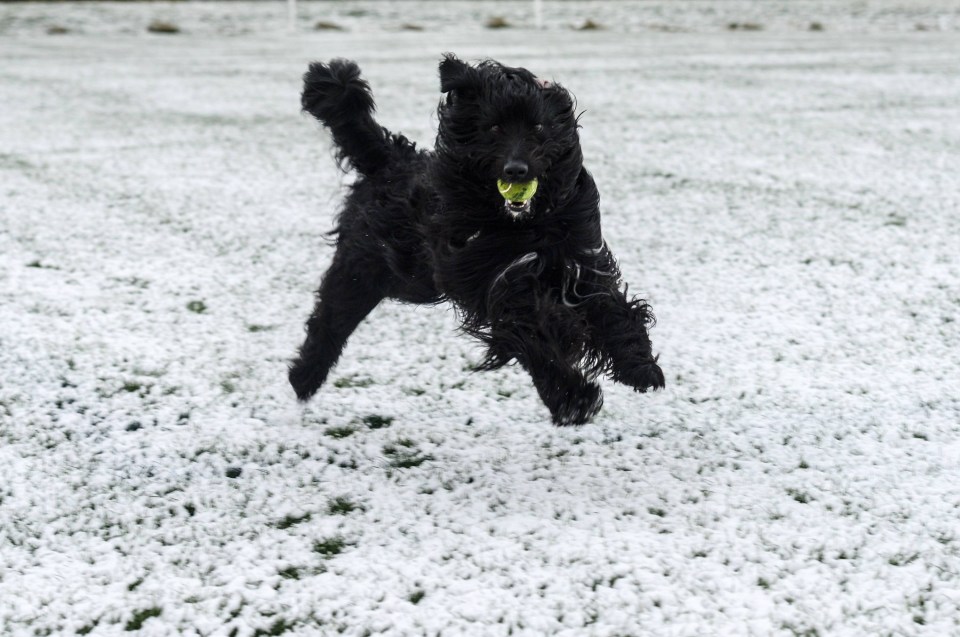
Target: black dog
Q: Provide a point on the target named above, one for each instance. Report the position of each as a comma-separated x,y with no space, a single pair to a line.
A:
534,281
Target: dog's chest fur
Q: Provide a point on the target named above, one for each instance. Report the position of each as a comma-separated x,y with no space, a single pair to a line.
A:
473,246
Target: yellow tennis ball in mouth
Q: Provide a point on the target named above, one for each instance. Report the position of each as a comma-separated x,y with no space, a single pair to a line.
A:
517,193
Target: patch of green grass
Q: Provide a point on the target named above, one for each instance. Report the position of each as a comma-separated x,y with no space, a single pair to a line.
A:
152,373
135,282
290,520
896,220
352,381
139,617
276,628
260,328
374,421
800,496
339,432
330,546
660,513
198,307
403,456
410,461
342,506
291,572
744,26
901,559
416,596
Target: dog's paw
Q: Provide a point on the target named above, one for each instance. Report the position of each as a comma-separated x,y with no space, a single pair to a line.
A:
304,379
577,407
642,377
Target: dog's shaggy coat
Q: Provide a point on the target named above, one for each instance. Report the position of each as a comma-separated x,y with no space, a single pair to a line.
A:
536,283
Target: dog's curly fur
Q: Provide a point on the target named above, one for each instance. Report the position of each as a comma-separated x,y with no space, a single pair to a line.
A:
536,285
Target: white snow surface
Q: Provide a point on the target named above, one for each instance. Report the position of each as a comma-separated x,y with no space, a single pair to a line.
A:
787,200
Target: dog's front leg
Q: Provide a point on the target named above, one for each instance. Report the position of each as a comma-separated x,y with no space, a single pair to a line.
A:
571,398
619,326
566,392
346,295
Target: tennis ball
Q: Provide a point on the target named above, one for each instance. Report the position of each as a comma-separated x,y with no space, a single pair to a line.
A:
517,193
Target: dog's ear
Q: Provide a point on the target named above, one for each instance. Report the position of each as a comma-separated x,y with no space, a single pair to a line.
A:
456,76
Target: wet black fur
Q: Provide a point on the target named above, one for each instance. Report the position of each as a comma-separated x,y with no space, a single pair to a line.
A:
424,227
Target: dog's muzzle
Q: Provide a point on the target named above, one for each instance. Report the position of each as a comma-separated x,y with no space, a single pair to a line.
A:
517,196
518,209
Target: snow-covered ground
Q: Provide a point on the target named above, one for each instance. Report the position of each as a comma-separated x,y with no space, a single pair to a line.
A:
459,16
788,200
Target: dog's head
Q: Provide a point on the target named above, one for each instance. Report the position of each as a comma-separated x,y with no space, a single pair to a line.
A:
499,123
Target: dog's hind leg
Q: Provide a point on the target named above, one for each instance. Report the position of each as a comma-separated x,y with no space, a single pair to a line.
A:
347,294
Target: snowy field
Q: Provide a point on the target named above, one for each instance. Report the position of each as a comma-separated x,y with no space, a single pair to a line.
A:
788,200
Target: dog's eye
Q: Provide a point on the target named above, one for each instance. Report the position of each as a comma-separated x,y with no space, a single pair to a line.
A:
538,127
495,129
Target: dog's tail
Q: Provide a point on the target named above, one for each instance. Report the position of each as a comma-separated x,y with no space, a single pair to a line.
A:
341,100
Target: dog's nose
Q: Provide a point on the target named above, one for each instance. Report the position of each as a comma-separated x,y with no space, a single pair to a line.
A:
515,170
